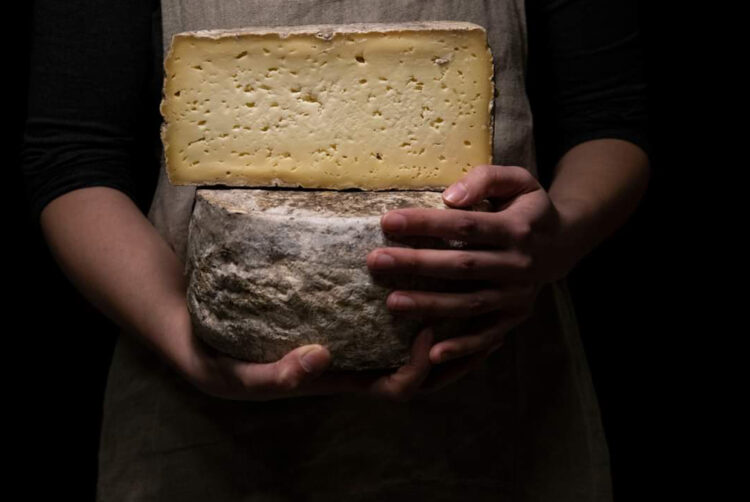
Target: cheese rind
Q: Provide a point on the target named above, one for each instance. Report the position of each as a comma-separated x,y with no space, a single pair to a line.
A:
271,270
371,106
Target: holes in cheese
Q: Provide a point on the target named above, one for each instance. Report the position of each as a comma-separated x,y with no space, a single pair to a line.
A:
370,106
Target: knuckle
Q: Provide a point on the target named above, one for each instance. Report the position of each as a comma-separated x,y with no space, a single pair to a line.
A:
521,233
499,336
482,169
478,304
466,262
488,173
428,303
523,173
466,228
525,176
409,259
287,379
529,264
525,263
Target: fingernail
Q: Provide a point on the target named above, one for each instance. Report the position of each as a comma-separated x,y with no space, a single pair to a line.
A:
384,260
402,302
394,222
456,193
311,360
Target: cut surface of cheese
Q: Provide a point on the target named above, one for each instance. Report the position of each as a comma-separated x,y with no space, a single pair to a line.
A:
370,106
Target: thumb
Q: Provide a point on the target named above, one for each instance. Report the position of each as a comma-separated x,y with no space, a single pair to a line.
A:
287,374
300,365
314,359
484,181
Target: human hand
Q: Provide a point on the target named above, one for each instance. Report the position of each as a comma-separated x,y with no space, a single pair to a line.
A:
301,372
520,249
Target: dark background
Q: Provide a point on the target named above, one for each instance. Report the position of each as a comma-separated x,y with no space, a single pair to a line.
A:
631,299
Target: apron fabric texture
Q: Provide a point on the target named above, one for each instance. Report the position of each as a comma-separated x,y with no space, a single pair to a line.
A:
525,426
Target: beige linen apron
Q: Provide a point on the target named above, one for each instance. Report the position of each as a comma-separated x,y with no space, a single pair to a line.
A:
523,427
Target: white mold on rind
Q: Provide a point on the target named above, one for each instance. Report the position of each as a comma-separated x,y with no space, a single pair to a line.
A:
271,270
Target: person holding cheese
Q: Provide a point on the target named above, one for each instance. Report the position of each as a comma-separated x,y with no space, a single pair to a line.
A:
478,415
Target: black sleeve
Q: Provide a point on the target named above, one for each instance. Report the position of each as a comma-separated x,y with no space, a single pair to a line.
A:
585,73
91,72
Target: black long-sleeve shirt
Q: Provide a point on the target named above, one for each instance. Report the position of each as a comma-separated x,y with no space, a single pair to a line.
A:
96,76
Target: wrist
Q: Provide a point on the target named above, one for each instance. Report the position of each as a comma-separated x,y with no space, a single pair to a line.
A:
169,333
576,236
597,185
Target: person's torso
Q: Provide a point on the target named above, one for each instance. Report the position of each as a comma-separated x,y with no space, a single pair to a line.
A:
484,437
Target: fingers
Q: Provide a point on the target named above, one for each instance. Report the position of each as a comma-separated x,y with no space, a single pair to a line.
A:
475,227
286,377
453,264
400,385
301,372
421,303
471,304
486,181
452,371
403,384
487,340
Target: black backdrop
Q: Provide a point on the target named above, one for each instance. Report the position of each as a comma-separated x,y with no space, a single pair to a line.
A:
625,293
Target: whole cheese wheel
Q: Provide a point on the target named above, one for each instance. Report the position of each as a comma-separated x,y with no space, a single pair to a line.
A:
271,270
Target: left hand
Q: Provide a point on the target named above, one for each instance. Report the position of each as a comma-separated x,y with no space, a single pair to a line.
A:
522,249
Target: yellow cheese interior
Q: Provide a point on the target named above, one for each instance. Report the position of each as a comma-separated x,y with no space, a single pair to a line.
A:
376,110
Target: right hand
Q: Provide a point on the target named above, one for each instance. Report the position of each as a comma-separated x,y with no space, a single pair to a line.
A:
301,372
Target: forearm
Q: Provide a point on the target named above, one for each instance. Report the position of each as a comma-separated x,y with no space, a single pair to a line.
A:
597,185
119,262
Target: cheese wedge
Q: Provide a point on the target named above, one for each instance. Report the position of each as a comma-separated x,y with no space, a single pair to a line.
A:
369,106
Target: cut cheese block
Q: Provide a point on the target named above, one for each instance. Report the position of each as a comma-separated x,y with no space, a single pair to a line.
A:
271,270
370,106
